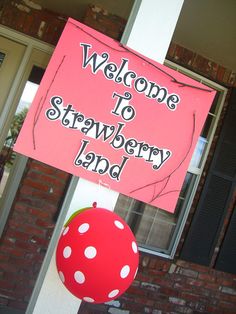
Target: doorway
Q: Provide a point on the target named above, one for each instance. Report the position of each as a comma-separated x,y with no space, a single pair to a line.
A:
22,66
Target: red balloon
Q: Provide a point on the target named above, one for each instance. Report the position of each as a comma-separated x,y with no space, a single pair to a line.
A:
97,255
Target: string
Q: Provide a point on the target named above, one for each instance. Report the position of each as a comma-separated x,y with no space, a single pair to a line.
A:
42,101
36,117
126,49
100,194
167,178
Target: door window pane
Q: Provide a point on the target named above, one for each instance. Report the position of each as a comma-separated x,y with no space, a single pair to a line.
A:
7,156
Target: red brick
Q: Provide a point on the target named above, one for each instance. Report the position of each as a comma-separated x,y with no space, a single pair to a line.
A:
7,285
227,297
13,251
3,301
33,230
21,305
166,307
171,50
200,64
211,286
225,305
43,223
40,167
20,264
178,52
16,234
7,267
169,291
195,282
136,291
206,277
187,57
142,277
36,185
226,76
154,273
190,296
40,213
26,246
4,257
162,281
39,241
213,309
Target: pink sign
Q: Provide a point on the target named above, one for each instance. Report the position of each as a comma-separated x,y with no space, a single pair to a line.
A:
106,113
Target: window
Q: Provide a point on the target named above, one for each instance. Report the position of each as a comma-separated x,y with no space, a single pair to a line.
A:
211,239
156,230
7,156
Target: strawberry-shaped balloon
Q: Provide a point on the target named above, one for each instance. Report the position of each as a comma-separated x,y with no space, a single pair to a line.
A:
97,255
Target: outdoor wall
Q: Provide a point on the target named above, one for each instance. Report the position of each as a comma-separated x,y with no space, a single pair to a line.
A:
175,286
164,286
161,286
28,231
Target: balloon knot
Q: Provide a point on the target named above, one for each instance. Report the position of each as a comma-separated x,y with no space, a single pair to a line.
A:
94,204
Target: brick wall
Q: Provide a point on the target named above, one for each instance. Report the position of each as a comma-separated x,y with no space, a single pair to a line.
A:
201,65
39,23
109,24
164,286
161,286
33,215
28,231
175,286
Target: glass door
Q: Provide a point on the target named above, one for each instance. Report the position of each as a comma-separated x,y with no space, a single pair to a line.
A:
11,55
12,164
7,156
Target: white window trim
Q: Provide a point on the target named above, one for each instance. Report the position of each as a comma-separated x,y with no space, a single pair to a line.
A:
196,171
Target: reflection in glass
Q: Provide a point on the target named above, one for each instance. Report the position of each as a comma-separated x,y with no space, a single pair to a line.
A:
152,226
185,186
214,105
7,156
198,152
149,224
207,126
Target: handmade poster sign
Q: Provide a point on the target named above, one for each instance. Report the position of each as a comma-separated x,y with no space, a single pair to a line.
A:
104,112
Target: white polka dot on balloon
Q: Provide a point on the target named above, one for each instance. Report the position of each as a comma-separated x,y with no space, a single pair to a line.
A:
134,247
90,252
125,271
118,224
88,299
62,277
67,252
79,277
83,228
113,293
66,230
